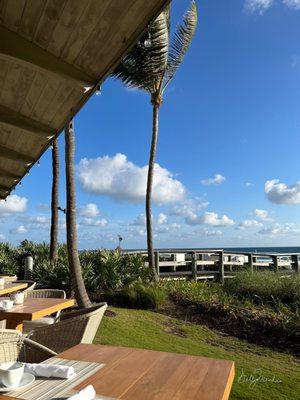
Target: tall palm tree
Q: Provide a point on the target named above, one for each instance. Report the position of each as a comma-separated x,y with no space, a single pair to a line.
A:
54,203
150,66
73,257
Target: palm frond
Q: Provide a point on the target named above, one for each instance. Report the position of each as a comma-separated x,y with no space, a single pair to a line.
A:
181,42
144,67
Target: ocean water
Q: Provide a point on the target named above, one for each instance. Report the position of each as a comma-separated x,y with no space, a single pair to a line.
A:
265,249
270,250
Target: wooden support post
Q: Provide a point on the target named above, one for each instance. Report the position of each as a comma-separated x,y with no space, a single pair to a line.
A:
194,266
230,265
295,260
275,263
156,262
201,259
250,262
254,259
221,268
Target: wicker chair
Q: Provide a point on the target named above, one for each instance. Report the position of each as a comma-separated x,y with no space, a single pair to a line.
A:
28,326
31,285
15,347
74,327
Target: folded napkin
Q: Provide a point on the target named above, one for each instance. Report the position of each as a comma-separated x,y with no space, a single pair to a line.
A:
50,370
88,393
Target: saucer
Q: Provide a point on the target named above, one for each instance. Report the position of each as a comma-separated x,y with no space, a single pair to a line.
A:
27,379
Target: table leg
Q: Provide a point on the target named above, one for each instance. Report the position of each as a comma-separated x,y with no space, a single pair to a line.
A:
14,324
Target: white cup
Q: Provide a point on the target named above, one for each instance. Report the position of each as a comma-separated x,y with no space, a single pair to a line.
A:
7,304
11,373
2,281
17,298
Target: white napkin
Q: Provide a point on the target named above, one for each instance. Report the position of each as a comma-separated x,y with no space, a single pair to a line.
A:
88,393
50,370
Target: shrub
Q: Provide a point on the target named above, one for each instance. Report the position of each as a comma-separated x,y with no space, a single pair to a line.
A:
8,262
266,287
138,296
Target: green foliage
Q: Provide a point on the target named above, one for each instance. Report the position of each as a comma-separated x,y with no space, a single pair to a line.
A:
266,288
151,67
138,296
8,262
102,269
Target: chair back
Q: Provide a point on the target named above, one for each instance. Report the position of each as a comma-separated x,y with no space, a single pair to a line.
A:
75,327
10,345
46,294
31,285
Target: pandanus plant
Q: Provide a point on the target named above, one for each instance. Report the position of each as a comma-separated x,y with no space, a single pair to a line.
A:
150,66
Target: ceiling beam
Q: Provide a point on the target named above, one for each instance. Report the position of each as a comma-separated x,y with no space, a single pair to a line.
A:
15,119
10,154
16,47
4,188
9,175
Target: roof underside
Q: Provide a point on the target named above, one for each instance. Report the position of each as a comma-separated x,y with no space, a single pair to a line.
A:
50,51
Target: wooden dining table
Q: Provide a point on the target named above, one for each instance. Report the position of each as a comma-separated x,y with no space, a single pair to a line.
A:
12,287
138,374
32,309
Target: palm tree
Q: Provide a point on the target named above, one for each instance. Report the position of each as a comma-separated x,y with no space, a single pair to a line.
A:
150,66
73,257
54,203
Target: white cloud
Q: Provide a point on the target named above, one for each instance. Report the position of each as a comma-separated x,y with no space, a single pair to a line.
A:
209,218
140,220
216,180
279,230
259,6
280,193
89,211
250,223
2,237
188,207
213,233
263,215
161,219
19,230
249,184
292,4
126,182
12,205
93,222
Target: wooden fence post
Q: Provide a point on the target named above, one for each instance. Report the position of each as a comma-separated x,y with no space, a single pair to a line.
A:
295,260
221,268
194,266
229,260
275,263
250,262
156,261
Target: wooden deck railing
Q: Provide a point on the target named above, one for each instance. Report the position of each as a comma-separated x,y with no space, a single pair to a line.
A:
218,264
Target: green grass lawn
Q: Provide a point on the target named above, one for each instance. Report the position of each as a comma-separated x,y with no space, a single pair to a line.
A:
278,373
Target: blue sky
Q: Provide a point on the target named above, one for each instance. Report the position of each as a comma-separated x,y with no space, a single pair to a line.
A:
228,151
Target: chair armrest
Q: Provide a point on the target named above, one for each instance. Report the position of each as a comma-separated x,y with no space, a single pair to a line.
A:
36,352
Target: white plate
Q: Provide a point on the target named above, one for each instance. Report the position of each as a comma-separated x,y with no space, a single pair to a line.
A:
26,380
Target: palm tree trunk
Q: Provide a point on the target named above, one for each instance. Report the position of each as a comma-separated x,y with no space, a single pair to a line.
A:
54,203
73,257
149,189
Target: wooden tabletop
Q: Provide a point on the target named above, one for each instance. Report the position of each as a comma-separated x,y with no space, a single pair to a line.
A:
32,309
138,374
12,287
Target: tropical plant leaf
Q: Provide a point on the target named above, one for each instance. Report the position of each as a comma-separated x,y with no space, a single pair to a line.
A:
144,67
181,42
